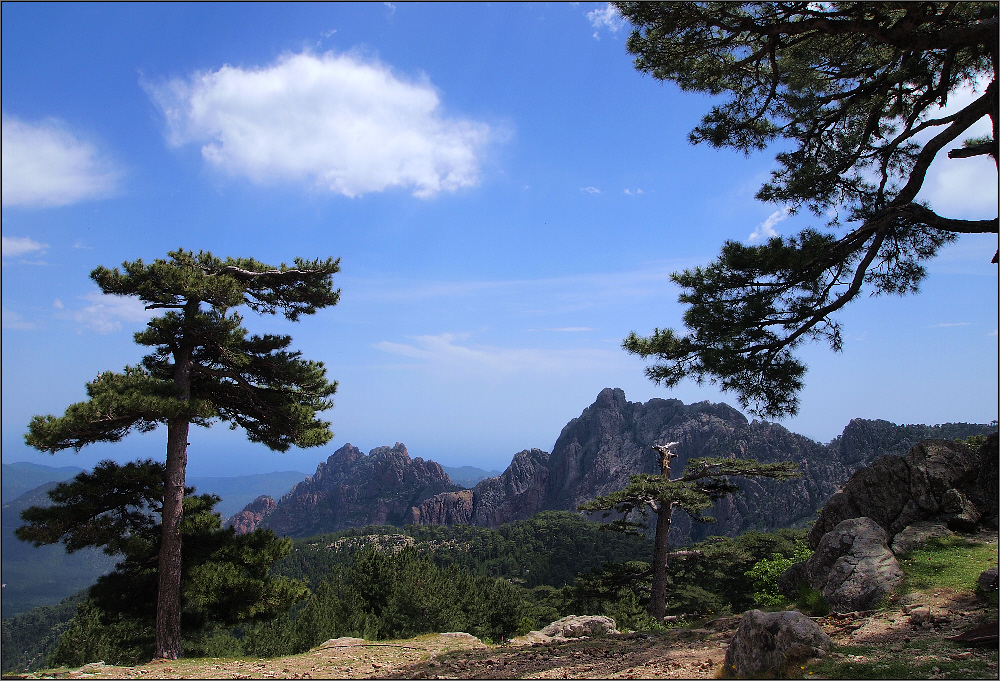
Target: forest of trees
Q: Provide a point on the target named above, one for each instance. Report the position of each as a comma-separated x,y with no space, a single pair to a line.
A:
492,583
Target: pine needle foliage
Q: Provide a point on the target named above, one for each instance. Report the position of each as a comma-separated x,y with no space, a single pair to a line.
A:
851,89
250,381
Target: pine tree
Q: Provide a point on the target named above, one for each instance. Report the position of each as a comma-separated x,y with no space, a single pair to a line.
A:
702,482
225,577
850,89
204,367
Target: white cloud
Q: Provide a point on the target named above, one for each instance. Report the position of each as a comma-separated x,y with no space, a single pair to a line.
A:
333,121
590,190
445,352
962,188
633,193
766,229
44,165
106,313
19,245
605,17
13,320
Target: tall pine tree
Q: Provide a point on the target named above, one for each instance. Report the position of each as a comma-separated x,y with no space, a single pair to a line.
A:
204,367
702,482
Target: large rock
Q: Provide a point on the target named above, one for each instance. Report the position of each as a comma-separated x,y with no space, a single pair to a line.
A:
446,508
517,494
853,566
898,491
916,535
988,582
767,643
575,626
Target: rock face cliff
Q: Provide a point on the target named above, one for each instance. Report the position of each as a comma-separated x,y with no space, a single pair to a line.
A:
518,493
594,455
352,489
596,452
251,517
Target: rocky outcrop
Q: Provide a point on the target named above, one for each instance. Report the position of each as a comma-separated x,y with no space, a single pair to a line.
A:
446,508
575,626
916,535
517,494
767,643
853,566
352,489
253,515
898,491
612,439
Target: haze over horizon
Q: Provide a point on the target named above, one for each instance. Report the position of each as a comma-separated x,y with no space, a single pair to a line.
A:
507,194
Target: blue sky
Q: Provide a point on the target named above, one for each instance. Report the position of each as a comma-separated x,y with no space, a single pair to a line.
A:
507,194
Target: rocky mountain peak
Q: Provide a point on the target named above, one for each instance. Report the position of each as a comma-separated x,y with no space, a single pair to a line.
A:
594,455
352,489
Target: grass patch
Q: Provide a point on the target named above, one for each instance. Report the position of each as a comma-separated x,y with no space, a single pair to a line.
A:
946,562
915,661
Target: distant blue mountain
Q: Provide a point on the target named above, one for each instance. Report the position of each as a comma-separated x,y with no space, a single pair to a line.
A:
19,477
468,476
47,574
238,491
44,575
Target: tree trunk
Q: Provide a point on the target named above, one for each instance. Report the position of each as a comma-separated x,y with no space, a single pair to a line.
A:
168,599
661,553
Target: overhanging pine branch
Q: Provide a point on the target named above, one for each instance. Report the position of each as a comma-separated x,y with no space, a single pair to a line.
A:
985,149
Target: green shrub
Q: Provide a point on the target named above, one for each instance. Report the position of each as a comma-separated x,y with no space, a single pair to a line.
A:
90,638
526,625
629,614
973,442
765,574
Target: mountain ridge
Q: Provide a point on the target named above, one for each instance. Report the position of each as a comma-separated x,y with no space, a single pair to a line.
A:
594,455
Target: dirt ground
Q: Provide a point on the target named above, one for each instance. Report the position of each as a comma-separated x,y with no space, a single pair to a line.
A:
676,654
